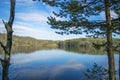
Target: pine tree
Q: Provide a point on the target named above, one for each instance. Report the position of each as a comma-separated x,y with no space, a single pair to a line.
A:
75,15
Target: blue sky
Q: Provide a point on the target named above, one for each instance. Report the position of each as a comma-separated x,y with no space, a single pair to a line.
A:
31,18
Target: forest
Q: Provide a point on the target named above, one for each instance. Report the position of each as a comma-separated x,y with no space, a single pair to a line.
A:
84,45
28,44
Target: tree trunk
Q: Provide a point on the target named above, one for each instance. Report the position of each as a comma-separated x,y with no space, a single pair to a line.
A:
119,65
7,48
109,42
6,62
5,70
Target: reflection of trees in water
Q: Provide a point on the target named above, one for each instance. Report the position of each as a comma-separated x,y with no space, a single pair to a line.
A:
85,45
28,49
96,73
100,73
83,50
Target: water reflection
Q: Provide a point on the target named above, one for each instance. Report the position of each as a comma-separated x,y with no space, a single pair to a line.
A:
30,49
54,65
50,72
83,50
97,73
27,49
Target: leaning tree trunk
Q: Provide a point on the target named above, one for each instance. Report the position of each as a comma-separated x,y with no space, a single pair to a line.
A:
119,65
6,62
7,48
109,42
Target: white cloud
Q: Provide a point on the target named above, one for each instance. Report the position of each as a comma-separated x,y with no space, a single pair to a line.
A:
24,30
30,20
57,70
32,17
113,14
24,2
19,2
36,16
42,71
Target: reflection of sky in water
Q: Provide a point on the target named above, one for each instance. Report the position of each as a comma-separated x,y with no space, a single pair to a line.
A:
53,65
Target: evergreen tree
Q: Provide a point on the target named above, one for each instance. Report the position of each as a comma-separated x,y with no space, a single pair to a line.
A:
75,15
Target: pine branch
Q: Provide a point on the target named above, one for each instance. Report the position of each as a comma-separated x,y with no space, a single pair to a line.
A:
98,46
117,19
90,3
116,48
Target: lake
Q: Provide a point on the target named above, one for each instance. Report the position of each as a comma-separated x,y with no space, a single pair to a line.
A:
54,64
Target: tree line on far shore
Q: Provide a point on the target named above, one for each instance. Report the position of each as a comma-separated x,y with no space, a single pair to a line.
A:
80,45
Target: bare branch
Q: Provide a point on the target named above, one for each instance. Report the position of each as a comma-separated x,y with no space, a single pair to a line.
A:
5,24
1,60
12,12
4,48
2,45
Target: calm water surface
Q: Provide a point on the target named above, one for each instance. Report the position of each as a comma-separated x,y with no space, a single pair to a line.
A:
54,65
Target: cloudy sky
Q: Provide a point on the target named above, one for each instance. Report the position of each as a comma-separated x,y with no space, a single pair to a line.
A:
30,20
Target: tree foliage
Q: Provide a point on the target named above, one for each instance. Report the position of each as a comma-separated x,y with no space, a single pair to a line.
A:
75,19
75,15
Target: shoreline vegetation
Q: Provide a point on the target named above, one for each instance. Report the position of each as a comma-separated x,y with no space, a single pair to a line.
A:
85,45
27,44
80,45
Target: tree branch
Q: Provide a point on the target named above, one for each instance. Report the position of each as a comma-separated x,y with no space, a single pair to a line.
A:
116,48
90,3
2,45
4,24
4,48
12,12
117,19
2,61
98,45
